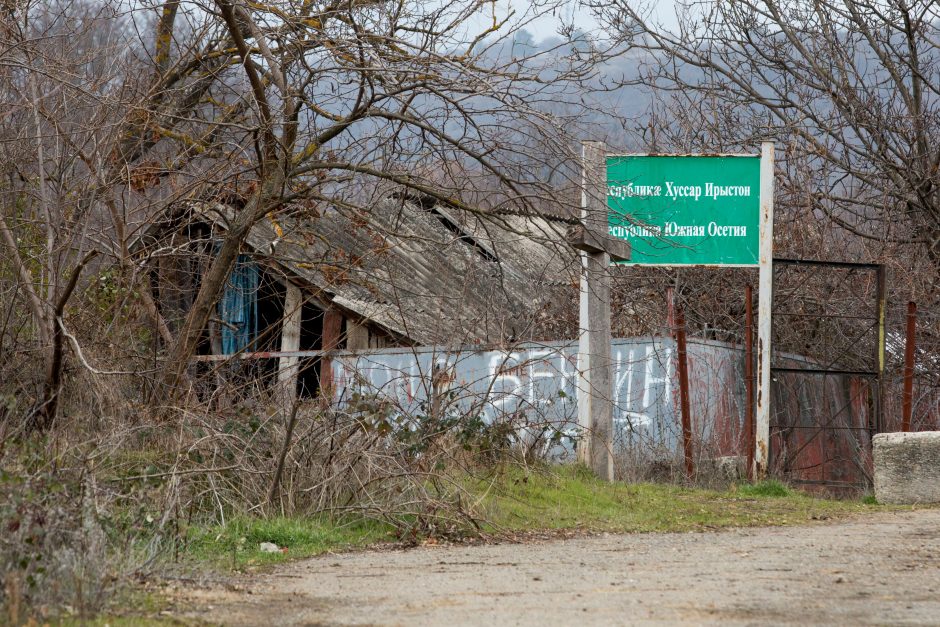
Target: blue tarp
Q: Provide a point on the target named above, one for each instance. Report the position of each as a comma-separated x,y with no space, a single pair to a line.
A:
238,308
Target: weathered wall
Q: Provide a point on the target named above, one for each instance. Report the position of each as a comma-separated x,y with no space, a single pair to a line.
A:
535,385
820,425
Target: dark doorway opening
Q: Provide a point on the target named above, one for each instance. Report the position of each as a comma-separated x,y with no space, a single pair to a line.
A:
311,339
271,295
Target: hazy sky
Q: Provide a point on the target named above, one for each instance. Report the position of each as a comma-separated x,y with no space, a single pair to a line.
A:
663,11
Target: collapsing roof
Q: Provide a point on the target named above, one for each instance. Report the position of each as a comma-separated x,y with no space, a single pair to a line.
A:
426,274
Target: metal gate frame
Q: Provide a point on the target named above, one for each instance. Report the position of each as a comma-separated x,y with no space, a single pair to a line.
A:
877,318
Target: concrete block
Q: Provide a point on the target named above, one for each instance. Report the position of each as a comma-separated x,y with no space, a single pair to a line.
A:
722,470
907,467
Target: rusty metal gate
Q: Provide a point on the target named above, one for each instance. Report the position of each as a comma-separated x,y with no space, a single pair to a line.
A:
827,364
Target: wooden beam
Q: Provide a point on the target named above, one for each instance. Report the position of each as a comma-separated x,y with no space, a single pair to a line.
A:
287,367
357,336
592,241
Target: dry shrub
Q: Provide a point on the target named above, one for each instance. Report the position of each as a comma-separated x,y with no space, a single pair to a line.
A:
109,492
106,497
61,547
363,459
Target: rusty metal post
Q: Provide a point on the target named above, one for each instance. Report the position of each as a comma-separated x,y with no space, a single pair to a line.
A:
683,365
749,380
909,347
671,311
880,349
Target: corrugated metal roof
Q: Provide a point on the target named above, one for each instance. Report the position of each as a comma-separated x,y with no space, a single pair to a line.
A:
404,268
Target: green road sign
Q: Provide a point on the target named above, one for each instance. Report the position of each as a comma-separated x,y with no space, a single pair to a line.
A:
686,210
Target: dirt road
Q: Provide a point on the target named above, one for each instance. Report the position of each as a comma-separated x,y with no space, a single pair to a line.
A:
882,569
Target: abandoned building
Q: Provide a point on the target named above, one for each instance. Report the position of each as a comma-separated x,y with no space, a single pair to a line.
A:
406,273
314,281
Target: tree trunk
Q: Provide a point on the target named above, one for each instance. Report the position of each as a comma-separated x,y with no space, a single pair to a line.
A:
213,283
49,407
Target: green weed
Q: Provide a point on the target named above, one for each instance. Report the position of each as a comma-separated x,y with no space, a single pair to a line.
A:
768,487
237,543
571,498
536,499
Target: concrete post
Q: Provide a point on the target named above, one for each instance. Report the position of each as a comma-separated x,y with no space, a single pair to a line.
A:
595,407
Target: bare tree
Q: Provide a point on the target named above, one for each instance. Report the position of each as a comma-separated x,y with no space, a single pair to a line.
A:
48,226
120,113
333,98
848,88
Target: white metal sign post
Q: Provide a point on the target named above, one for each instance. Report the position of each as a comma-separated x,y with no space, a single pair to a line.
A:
764,296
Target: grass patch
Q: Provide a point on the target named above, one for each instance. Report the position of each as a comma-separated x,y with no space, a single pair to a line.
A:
768,487
571,498
236,545
555,498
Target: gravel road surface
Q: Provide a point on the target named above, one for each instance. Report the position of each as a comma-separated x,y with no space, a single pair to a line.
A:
880,569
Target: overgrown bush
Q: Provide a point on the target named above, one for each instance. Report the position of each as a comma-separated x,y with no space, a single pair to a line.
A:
113,490
56,552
